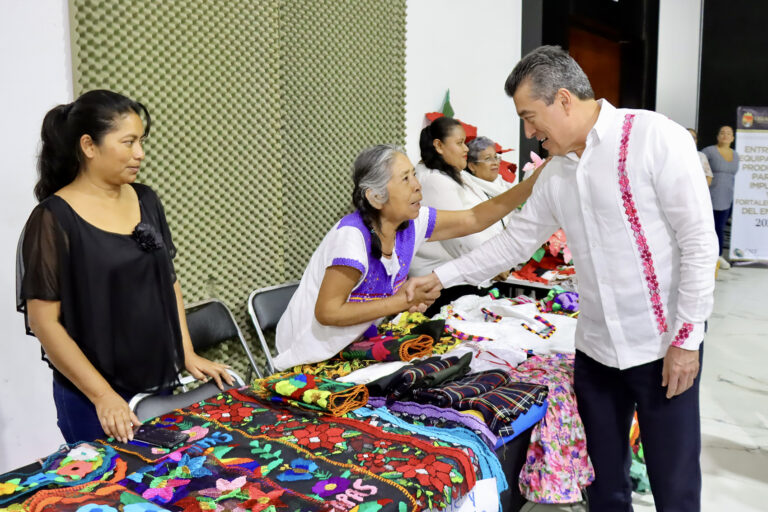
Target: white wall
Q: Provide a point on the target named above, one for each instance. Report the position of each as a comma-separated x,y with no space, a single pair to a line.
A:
469,48
677,78
36,76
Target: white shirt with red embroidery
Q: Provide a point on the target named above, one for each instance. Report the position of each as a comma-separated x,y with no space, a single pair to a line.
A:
638,219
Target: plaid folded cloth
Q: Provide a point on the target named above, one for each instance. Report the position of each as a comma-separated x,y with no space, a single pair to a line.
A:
472,385
390,348
428,374
501,406
312,392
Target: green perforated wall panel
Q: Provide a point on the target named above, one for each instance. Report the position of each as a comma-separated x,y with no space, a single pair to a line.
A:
342,87
258,108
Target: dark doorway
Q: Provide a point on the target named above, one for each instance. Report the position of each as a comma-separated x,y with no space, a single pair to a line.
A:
614,41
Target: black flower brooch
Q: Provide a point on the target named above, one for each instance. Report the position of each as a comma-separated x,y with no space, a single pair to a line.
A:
147,238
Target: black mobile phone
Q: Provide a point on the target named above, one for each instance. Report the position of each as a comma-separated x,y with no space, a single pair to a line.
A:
158,436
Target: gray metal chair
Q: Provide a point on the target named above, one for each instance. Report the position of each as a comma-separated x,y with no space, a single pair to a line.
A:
210,322
266,306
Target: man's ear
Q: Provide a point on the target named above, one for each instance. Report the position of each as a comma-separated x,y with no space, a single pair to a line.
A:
374,199
87,146
564,98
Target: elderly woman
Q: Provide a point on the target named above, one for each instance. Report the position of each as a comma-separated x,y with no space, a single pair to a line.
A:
447,187
96,279
356,275
483,169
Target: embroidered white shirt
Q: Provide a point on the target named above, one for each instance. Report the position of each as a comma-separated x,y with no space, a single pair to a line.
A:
618,325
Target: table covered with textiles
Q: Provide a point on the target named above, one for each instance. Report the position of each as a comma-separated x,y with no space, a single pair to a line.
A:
468,422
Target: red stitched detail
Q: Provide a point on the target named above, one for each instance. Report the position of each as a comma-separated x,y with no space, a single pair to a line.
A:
682,335
637,229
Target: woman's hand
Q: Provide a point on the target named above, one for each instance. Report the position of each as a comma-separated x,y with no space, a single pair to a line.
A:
203,369
116,418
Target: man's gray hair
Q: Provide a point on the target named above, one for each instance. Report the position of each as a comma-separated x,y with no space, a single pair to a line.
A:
549,68
477,146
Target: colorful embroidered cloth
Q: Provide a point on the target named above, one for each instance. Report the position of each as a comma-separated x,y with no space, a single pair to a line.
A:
471,385
433,416
302,390
557,467
490,467
330,369
385,348
394,458
98,497
70,466
417,323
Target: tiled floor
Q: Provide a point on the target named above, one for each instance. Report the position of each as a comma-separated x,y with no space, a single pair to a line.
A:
734,400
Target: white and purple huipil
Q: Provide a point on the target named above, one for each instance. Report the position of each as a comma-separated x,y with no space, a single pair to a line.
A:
300,338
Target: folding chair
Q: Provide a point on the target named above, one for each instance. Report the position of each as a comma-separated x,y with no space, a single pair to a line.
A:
210,322
266,306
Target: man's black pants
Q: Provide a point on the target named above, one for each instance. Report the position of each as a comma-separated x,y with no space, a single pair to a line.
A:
670,431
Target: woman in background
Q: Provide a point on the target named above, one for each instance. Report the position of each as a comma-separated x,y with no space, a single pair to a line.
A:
446,186
96,281
724,162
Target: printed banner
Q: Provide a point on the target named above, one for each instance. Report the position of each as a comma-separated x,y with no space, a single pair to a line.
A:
749,225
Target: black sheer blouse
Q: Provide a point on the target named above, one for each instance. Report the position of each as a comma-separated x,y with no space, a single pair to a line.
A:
116,290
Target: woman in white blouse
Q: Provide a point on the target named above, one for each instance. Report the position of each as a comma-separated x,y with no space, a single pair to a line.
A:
446,186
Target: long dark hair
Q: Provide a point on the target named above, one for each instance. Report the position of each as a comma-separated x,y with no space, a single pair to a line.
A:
93,113
440,128
372,171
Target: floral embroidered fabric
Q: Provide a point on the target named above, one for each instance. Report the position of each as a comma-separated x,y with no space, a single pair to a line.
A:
393,457
634,222
310,391
557,467
98,497
390,348
70,466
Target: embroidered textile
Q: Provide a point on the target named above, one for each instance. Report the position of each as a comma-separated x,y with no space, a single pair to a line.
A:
390,348
640,240
329,369
337,398
433,416
469,386
394,457
557,467
490,467
70,466
98,497
502,405
417,323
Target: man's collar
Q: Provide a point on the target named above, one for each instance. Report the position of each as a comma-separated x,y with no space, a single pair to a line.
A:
603,123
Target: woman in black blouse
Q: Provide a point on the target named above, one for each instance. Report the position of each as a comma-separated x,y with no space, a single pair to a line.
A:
96,281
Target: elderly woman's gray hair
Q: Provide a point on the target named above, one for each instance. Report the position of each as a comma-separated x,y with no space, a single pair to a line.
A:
372,171
549,68
477,146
